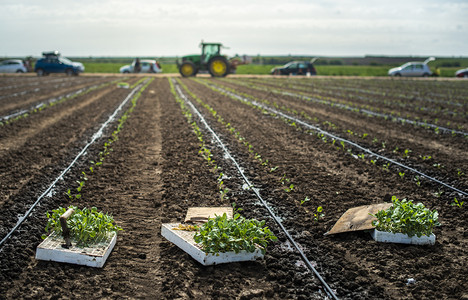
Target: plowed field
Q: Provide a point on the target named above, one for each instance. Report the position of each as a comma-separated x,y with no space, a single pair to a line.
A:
302,142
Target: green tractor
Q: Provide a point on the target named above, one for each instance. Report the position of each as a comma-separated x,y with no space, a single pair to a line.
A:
210,60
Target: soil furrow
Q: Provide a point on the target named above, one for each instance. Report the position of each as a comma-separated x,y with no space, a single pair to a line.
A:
60,131
332,181
155,173
434,113
26,101
445,150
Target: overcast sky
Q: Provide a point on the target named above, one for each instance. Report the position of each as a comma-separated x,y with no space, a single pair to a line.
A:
266,27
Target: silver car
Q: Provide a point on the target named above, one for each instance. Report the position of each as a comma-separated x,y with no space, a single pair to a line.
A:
413,69
13,66
146,66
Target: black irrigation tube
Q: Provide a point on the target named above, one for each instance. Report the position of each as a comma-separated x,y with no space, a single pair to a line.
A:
50,188
371,101
28,84
51,101
34,90
369,112
328,290
373,92
20,93
317,129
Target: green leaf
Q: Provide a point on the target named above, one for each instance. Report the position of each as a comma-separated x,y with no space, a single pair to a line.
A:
221,234
86,225
406,217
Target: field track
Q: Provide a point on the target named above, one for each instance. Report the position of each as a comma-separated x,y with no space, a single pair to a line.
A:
287,136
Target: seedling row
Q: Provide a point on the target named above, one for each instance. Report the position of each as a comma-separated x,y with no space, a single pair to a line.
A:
160,160
399,146
438,119
247,182
387,181
44,169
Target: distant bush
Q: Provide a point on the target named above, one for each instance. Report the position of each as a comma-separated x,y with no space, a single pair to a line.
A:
321,62
335,62
449,64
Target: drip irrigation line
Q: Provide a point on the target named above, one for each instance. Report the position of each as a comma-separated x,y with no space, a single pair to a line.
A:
39,88
317,129
422,124
369,112
49,189
50,101
375,114
20,93
30,91
41,104
385,102
18,113
418,98
29,84
328,290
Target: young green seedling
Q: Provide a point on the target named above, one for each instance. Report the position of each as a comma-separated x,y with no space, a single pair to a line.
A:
406,153
438,193
290,188
417,180
460,173
457,203
319,214
306,199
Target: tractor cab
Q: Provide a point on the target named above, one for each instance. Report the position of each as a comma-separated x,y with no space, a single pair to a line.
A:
210,60
210,50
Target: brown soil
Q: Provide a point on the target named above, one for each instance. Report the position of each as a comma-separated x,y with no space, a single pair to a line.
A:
154,173
25,97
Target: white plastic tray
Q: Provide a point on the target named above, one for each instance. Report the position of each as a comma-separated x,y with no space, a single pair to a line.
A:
93,256
184,240
400,238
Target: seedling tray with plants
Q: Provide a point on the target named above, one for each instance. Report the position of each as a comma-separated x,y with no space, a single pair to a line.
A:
221,239
94,255
184,240
83,237
406,223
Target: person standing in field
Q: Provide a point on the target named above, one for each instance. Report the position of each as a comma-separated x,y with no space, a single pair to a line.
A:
137,67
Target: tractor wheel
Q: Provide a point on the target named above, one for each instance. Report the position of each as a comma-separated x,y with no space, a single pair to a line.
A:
187,69
218,66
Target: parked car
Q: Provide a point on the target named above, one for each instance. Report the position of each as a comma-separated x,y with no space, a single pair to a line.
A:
462,73
295,68
146,66
413,69
52,62
13,66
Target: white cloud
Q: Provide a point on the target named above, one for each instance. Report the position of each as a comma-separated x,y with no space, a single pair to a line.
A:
146,27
